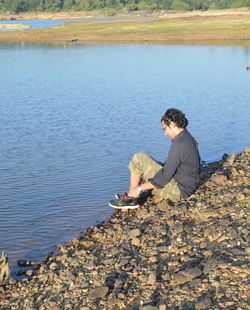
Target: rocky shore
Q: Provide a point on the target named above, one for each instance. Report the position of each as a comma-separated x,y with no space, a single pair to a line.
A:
189,255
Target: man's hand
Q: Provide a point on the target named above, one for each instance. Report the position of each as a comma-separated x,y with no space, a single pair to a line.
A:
145,186
134,193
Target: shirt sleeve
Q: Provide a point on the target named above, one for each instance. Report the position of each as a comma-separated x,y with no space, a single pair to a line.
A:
167,172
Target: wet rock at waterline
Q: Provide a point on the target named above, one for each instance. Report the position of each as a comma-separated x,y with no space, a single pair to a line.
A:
4,269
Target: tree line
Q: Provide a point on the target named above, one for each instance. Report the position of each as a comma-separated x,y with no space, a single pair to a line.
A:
19,6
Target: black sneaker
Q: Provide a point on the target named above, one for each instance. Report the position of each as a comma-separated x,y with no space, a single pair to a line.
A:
126,203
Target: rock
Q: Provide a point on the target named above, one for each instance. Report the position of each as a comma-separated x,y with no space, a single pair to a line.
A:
203,245
154,259
225,156
4,269
98,292
136,242
231,159
26,262
12,280
29,273
152,279
53,266
148,308
163,249
177,229
166,276
185,276
134,233
247,150
219,179
183,206
203,304
163,206
210,265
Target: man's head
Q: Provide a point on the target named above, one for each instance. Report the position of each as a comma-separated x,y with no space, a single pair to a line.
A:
173,122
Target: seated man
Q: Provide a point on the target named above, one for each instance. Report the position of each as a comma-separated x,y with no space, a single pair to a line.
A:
177,178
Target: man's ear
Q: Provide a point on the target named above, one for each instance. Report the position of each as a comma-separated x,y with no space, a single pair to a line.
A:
171,125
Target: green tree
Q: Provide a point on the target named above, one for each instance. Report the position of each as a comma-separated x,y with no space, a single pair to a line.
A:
180,5
68,4
53,5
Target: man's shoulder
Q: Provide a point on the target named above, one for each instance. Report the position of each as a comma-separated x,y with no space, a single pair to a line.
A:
184,138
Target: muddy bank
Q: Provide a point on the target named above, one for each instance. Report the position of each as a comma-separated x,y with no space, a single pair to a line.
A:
13,26
191,255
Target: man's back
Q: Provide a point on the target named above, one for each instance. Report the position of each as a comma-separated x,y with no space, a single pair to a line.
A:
182,164
187,174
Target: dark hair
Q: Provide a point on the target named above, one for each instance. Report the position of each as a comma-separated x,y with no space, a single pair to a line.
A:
175,116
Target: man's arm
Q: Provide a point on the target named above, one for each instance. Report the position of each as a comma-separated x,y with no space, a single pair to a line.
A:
163,176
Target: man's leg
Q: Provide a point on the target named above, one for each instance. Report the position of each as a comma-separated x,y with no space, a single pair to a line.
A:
134,182
142,166
170,190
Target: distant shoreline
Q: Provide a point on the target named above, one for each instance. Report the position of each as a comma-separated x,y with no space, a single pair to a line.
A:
120,13
73,15
224,27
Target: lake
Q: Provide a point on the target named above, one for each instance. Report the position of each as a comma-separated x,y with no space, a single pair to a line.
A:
72,116
46,23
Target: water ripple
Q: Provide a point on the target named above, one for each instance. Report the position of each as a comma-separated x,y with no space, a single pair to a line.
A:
71,118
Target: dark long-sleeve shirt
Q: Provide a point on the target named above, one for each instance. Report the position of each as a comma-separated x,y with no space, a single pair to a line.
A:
182,164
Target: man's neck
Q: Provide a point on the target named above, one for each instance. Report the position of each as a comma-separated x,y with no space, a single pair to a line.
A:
177,132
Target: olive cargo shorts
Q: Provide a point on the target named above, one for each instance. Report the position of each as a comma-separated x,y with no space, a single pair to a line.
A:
146,166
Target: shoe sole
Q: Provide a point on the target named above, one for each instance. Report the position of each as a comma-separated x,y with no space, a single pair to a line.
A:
123,207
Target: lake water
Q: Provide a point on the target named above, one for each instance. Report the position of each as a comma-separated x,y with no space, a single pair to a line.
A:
45,23
72,117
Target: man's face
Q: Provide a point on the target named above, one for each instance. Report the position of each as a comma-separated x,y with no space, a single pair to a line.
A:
166,129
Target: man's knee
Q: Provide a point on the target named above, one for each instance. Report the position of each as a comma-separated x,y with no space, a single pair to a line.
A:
140,156
137,163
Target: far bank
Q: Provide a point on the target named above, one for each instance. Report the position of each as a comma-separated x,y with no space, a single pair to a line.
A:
212,27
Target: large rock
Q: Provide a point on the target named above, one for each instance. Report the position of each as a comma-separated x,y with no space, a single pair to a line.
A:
134,233
98,292
219,179
186,275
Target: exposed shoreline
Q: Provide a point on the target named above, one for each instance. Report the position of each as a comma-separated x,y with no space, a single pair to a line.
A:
13,26
225,27
192,254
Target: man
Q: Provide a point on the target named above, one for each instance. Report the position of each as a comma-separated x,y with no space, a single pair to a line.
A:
177,178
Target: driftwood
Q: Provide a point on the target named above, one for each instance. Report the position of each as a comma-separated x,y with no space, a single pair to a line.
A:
4,269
